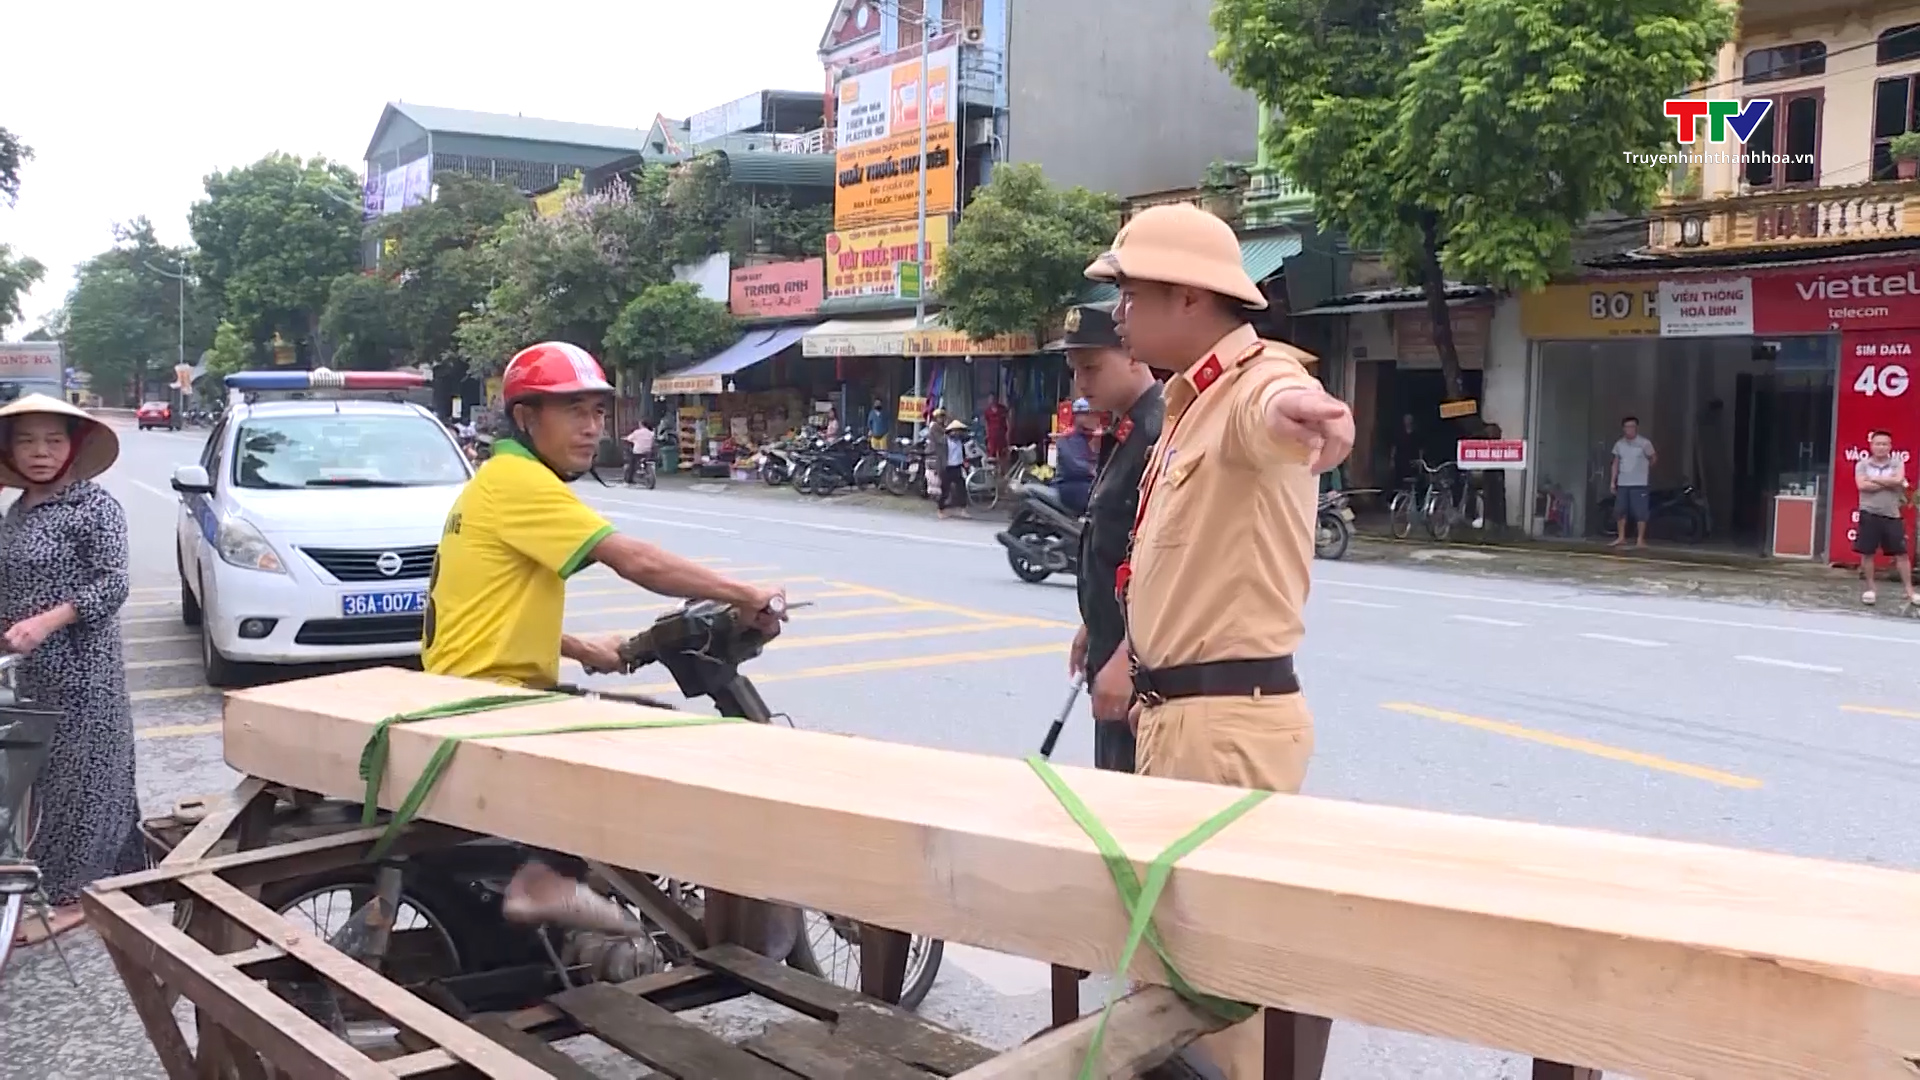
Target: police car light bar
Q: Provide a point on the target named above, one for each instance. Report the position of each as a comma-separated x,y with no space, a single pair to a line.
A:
253,382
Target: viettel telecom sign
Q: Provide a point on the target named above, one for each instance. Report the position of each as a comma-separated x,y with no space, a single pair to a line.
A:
1723,117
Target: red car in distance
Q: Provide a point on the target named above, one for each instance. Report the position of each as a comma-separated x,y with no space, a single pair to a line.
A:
154,414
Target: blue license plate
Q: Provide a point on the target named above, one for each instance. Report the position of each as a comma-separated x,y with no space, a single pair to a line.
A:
409,602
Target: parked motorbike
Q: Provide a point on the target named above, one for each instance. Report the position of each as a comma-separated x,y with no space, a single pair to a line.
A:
776,463
828,465
1333,526
1044,537
1679,514
903,467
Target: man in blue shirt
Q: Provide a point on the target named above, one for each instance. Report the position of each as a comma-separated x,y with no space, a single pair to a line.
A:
877,425
1073,477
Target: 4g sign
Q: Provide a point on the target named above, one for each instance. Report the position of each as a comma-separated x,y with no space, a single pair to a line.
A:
1876,375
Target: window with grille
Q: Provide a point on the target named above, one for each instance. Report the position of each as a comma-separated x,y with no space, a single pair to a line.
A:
1785,62
1791,127
1899,43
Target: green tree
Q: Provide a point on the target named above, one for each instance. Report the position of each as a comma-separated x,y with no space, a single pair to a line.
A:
232,351
123,316
1020,253
17,275
361,319
1469,138
273,236
667,326
13,155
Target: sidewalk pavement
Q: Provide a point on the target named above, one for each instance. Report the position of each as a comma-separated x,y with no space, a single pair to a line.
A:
1703,574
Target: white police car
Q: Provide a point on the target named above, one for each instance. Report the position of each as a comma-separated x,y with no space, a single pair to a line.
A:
308,527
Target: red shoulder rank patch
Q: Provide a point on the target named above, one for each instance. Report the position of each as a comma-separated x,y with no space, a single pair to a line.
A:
1207,372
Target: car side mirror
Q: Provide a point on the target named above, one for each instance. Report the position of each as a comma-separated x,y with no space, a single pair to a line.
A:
192,480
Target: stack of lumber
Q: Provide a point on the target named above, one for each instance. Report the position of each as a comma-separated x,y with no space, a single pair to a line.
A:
1644,957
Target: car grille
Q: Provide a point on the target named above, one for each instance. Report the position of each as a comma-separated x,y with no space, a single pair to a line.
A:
345,565
373,630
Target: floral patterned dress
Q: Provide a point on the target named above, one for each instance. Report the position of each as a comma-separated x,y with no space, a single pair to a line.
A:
72,548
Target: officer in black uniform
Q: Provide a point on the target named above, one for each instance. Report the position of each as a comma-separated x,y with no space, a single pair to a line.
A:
1114,383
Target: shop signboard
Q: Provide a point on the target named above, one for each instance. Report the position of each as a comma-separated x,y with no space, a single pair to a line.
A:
1860,296
776,289
1713,307
1413,336
940,341
860,262
911,409
1877,369
877,141
30,361
1491,454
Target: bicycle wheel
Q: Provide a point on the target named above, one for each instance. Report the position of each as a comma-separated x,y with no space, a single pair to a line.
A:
1439,514
1400,514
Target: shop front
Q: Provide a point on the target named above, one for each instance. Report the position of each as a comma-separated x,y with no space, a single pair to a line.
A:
1757,386
958,373
737,399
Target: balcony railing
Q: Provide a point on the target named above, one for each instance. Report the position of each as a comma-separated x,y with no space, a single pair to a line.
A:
1837,215
1271,198
807,142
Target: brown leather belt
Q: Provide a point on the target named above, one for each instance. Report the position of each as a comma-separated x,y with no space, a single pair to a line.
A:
1217,678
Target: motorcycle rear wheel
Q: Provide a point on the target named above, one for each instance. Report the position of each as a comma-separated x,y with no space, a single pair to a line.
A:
1031,573
1332,536
893,478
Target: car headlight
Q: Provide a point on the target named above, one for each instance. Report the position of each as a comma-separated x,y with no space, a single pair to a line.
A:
241,545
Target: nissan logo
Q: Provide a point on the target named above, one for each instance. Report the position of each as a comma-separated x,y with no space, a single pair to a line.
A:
388,563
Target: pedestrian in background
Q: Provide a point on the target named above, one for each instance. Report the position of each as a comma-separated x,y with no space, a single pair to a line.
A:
1882,480
877,425
1216,582
639,447
1078,458
63,580
936,457
1633,461
1112,382
997,421
953,483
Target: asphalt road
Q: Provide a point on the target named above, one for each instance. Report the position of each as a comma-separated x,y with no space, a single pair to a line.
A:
1746,725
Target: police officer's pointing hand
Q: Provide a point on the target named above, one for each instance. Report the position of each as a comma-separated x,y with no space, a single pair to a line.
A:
1316,418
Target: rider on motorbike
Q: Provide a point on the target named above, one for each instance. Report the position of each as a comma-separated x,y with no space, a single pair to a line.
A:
497,597
1078,462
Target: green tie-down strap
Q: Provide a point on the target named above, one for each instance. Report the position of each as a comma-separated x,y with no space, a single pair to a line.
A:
373,759
1140,900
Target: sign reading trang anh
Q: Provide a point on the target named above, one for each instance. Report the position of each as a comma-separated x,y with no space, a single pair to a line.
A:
860,262
773,289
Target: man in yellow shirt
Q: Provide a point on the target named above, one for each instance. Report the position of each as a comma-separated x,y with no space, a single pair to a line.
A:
497,598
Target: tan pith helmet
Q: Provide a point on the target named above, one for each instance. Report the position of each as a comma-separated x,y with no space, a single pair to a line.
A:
95,446
1179,244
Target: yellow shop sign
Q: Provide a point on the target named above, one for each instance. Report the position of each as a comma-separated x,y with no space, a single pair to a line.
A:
1584,311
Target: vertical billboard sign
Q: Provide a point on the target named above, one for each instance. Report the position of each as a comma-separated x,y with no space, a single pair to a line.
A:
877,141
1876,394
393,191
419,182
371,194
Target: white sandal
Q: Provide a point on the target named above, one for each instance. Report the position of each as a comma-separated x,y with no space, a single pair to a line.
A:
1868,597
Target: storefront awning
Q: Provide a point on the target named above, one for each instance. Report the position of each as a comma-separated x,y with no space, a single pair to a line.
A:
1408,299
709,376
858,337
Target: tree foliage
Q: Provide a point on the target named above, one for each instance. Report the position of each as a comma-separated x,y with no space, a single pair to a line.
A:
123,315
273,236
1470,138
1020,253
359,321
18,273
13,155
668,325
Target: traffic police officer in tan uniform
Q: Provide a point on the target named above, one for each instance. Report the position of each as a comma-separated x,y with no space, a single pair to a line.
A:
1217,578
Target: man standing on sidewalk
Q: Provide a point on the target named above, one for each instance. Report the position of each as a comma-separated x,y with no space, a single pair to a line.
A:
1633,461
1216,581
1882,480
1112,382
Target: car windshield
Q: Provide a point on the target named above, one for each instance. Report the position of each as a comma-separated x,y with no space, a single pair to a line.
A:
345,451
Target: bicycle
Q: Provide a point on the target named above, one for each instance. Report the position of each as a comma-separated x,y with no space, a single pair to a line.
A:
1428,498
26,736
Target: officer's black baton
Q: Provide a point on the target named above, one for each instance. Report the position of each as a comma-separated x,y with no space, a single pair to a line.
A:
1059,722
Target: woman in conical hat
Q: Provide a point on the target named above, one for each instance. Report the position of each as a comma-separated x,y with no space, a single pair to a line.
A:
63,579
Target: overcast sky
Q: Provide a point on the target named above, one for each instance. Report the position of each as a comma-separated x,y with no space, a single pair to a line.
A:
127,106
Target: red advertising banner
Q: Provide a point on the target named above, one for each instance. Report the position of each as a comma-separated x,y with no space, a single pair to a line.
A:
1876,393
1491,453
783,288
1838,296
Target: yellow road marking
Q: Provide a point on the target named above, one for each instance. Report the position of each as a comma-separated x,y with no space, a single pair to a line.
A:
178,661
150,603
623,588
808,616
176,731
901,663
785,642
1876,710
150,619
163,638
951,609
171,692
1579,746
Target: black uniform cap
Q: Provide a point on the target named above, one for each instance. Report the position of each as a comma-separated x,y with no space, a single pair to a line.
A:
1090,326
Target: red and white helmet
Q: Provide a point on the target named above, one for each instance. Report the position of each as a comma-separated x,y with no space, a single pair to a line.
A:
552,369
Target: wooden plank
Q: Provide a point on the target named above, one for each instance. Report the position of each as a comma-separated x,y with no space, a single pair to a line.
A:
892,1031
1148,1027
214,826
289,1040
150,1004
660,1040
642,893
280,861
1639,956
811,1051
535,1051
404,1009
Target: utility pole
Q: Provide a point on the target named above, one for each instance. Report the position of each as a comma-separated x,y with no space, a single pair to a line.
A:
180,325
920,250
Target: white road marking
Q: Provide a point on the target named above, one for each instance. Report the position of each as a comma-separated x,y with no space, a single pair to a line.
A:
1364,604
151,490
624,516
818,526
1882,637
1484,621
1618,640
1824,669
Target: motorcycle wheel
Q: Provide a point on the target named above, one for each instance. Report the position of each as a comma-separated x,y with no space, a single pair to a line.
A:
1031,573
772,475
803,479
1332,536
894,479
824,482
647,478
